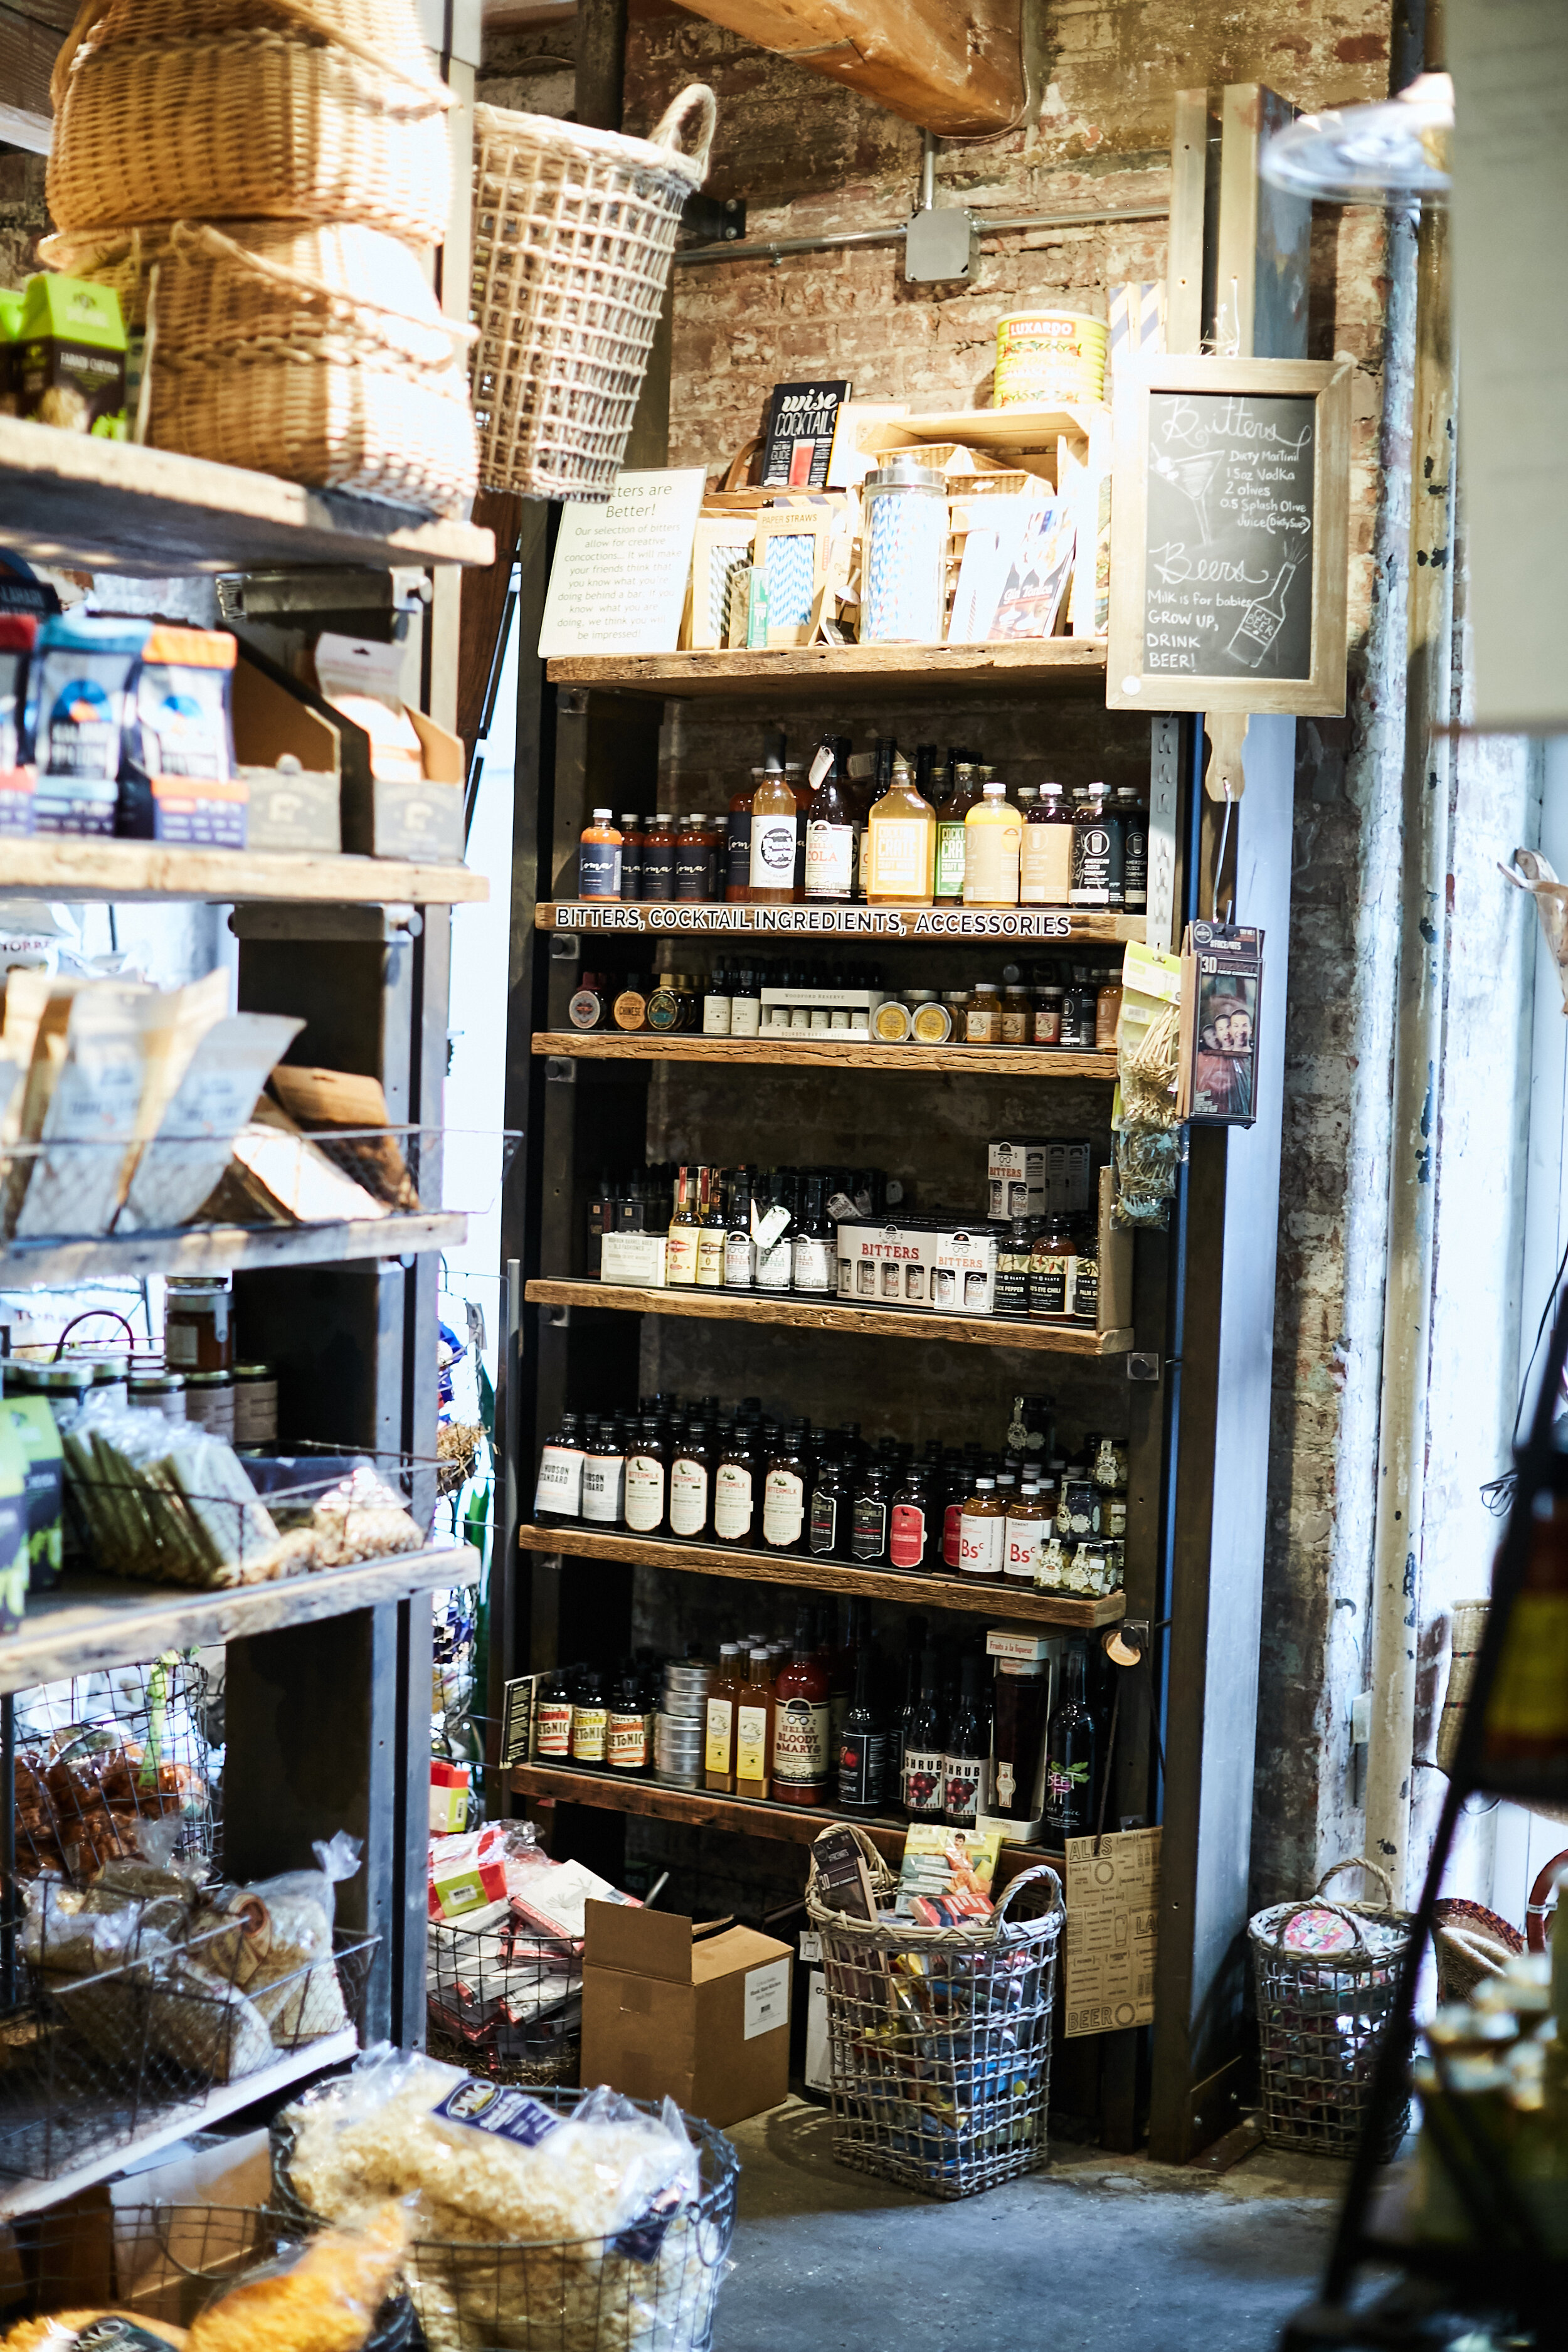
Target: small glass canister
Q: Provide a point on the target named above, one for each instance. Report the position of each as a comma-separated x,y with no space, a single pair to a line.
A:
903,597
255,1405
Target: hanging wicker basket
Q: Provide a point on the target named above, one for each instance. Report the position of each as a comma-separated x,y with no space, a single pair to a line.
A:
573,230
262,121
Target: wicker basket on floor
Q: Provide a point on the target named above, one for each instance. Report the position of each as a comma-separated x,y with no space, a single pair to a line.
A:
1325,1993
573,230
258,123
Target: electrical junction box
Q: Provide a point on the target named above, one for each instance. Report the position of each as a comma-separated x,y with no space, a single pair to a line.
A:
939,243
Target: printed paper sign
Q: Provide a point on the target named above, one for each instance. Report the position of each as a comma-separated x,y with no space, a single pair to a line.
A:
1112,1899
766,1997
618,581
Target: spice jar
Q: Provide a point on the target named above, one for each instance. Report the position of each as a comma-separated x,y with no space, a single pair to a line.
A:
1018,1014
198,1335
983,1015
209,1403
255,1405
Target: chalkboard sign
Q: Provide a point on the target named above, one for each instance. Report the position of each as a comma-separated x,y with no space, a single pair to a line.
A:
1228,520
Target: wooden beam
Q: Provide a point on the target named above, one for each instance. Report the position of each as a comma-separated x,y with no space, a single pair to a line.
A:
956,69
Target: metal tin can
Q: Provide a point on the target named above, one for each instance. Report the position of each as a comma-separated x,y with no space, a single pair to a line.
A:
1045,356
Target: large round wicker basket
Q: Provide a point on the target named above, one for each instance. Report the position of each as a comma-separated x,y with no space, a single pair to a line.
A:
573,230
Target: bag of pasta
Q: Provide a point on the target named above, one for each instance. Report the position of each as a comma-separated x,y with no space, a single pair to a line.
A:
324,2297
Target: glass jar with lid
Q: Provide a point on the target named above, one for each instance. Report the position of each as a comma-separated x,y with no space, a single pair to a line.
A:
931,1022
1048,1014
255,1405
209,1403
1018,1014
198,1329
983,1015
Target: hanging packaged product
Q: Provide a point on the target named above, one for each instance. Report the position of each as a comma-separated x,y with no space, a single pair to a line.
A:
1222,977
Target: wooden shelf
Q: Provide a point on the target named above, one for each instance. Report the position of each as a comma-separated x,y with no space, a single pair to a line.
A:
822,1051
223,1249
89,1623
164,2126
70,499
929,926
845,674
809,1315
800,1570
626,1793
996,428
62,867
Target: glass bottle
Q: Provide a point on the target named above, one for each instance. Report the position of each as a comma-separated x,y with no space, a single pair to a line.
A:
802,1711
913,1526
1018,1697
738,844
775,823
716,1003
691,1485
1048,1014
967,1749
603,1478
711,1230
1013,1249
588,1006
775,1256
746,1004
558,1495
647,1479
658,859
629,1010
1069,1758
740,1249
829,1535
1052,1262
1025,1534
754,1724
784,1491
1085,1299
951,833
812,1267
734,1488
982,1532
863,1746
983,1015
992,832
956,1479
923,1764
1045,877
599,859
552,1719
696,860
914,1634
631,856
868,1516
590,1720
626,1735
1018,1014
832,833
1096,853
1107,1011
903,854
1134,819
719,1744
680,1249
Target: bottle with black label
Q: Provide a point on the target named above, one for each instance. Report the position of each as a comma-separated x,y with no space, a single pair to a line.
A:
1134,819
785,1487
968,1748
631,856
812,1267
746,1004
829,1535
559,1493
691,1485
923,1764
659,860
1012,1293
868,1516
646,1505
863,1743
599,859
1096,853
1069,1758
738,845
696,861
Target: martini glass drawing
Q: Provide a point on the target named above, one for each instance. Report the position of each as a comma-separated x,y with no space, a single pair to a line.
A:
1194,476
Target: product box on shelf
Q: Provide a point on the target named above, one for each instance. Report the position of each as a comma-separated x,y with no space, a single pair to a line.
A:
290,753
633,1261
669,2008
964,1270
884,1265
841,1012
402,774
1015,1174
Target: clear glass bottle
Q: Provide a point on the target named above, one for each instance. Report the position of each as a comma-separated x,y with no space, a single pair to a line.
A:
754,1724
903,854
681,1250
951,833
983,1015
775,824
723,1695
1046,857
992,832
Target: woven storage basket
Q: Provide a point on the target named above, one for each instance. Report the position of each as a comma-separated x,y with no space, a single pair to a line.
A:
385,31
574,231
253,124
1321,2014
940,2038
316,353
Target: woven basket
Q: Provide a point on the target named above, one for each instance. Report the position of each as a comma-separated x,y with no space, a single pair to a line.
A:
316,353
385,31
249,125
573,230
1322,2016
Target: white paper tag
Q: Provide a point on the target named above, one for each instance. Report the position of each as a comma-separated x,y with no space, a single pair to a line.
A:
766,1998
810,1945
820,765
767,1225
843,1209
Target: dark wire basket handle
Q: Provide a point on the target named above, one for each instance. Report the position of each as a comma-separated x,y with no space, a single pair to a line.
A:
86,1317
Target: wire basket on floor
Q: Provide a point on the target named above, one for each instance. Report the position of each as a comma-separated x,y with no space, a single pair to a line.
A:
504,2000
653,2288
1327,1977
167,2263
573,230
940,2038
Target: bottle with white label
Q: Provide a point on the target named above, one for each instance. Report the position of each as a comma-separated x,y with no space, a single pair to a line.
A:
740,1249
1026,1529
814,1267
745,1004
902,860
559,1493
770,1223
646,1505
718,1740
832,833
775,826
784,1491
691,1485
923,1761
681,1251
604,1475
736,1481
992,834
755,1725
716,1004
982,1532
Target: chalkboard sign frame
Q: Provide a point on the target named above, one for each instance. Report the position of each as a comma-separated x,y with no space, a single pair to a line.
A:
1129,685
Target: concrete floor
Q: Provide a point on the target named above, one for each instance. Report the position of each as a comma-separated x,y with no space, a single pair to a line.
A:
1106,2253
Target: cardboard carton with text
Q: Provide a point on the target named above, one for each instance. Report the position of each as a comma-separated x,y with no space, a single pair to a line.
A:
669,2008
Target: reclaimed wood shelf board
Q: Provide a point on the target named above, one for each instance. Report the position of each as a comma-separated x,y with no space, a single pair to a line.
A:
60,865
69,499
628,1792
221,1249
162,2125
802,1049
929,926
801,1569
1050,665
1018,427
89,1621
811,1315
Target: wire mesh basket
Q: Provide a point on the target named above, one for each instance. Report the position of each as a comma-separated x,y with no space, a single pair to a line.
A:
1327,1977
101,1757
504,2000
166,2261
652,2288
573,230
940,2038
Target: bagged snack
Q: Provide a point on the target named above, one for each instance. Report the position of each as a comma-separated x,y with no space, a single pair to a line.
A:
275,1939
69,356
479,1869
201,2021
88,1127
361,1518
177,779
167,1499
322,2299
92,2331
196,1130
85,684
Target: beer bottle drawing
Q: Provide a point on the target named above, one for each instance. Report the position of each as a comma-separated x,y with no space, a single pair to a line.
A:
1263,619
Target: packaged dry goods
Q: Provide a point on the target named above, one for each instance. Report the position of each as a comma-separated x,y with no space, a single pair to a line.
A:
95,1801
101,2330
324,2296
70,357
132,732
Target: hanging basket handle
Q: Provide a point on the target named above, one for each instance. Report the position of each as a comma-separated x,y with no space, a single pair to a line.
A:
1024,1878
1359,1862
86,1317
695,99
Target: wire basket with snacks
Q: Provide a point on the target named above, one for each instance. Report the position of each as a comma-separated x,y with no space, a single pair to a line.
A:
939,2007
547,2222
104,1759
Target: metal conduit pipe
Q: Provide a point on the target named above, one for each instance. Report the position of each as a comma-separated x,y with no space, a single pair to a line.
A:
847,240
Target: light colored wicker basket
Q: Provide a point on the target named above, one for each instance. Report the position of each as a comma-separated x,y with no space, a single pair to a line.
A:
318,353
386,32
260,124
573,230
1322,2017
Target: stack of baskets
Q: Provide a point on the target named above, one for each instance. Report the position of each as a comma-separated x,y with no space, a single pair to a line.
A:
257,180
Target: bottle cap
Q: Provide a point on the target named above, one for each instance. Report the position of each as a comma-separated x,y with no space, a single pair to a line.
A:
995,791
604,812
986,1483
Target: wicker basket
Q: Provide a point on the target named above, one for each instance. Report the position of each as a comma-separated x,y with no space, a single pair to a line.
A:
261,124
317,353
574,231
940,2038
386,31
1321,2014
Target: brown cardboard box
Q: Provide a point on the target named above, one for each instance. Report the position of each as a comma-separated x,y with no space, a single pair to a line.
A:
272,720
703,2017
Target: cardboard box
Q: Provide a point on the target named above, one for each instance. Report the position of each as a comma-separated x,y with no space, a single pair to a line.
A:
276,720
1015,1173
885,1265
703,2017
964,1272
385,816
633,1261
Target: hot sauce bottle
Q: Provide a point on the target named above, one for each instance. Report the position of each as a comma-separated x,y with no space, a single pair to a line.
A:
631,856
599,859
